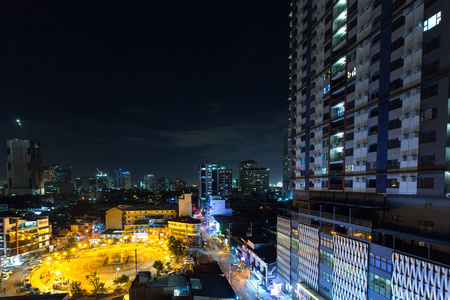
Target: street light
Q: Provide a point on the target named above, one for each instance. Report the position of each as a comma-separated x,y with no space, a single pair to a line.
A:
117,271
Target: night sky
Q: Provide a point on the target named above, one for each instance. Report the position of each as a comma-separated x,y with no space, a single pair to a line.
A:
153,87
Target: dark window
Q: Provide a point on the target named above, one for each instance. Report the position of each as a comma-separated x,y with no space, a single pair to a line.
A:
396,84
425,183
376,39
351,89
427,137
431,68
324,184
373,113
376,22
428,114
432,44
8,150
302,138
394,143
326,102
425,226
426,161
392,183
393,124
373,130
375,58
352,9
397,43
351,56
348,183
371,183
325,130
350,105
352,40
29,166
393,164
326,116
9,166
349,136
375,76
398,23
373,148
394,104
398,63
325,143
349,152
429,91
397,4
350,121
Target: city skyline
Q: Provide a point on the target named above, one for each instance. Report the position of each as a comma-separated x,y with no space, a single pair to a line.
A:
137,86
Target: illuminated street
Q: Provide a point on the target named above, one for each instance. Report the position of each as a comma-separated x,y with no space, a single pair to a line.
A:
108,261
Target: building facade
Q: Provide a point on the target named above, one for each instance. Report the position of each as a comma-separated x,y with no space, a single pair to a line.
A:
185,229
150,182
22,237
23,167
368,151
253,180
214,181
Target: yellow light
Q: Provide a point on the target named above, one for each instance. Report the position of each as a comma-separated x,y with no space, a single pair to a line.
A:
57,273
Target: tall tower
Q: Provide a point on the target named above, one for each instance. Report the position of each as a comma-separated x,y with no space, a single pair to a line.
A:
214,181
253,180
23,167
369,149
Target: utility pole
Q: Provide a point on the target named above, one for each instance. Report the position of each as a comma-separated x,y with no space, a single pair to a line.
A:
135,259
229,246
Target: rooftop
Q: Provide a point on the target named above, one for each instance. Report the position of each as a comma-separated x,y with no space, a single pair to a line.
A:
211,286
267,254
188,220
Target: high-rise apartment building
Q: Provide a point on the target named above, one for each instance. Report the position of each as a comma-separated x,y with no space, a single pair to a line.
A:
253,180
122,179
214,181
150,182
23,167
369,158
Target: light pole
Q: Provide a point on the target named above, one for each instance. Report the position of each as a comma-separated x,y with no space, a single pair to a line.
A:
135,259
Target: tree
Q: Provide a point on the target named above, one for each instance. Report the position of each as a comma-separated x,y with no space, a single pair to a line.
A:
175,247
121,279
76,290
97,285
159,266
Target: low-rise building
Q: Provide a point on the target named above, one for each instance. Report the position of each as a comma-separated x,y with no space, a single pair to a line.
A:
22,237
122,215
185,229
143,222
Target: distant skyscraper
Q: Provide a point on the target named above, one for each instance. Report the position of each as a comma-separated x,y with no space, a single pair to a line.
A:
214,181
126,180
180,184
253,180
85,184
23,167
102,181
150,182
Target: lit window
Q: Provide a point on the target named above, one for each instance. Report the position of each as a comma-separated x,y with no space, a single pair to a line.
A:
349,168
432,21
326,89
352,73
324,171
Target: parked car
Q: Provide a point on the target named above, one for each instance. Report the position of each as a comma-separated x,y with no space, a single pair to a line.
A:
26,281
